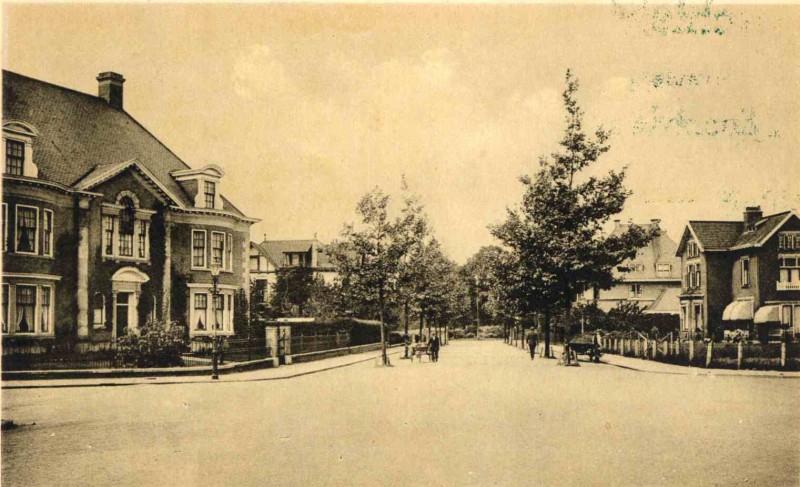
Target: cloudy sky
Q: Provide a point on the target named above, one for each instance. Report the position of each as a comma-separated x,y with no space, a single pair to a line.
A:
307,107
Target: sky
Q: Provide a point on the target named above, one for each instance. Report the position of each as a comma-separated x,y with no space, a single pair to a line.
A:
309,106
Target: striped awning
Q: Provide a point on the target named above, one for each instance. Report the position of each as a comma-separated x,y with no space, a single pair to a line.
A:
768,314
738,311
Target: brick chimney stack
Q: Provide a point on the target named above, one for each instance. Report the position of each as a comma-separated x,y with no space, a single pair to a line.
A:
751,215
109,88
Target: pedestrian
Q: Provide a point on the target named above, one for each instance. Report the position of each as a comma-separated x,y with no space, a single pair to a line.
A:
533,342
434,347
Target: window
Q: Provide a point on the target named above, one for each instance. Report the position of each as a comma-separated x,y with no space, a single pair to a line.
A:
745,272
5,227
217,248
200,307
5,308
254,263
789,268
789,241
15,157
127,220
27,229
698,316
663,270
26,309
697,281
108,235
635,291
142,239
44,316
198,249
210,193
229,251
47,232
219,311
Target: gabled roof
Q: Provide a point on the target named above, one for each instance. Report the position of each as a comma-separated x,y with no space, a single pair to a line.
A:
660,250
275,249
732,235
666,303
81,133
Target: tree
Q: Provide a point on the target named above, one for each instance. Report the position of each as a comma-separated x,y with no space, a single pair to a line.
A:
292,290
370,253
556,237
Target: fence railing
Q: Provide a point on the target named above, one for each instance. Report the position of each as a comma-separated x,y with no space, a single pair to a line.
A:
726,355
317,343
233,349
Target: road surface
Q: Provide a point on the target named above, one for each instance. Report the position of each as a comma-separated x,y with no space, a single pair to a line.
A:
483,415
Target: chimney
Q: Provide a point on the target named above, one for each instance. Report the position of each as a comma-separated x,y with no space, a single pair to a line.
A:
109,88
656,224
751,215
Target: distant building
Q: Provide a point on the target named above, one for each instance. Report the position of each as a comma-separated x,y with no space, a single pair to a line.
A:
103,227
269,256
741,275
651,280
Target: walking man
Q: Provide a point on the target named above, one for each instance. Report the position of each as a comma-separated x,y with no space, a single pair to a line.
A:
434,346
533,341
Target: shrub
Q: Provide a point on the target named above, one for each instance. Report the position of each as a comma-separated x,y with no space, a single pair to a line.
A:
157,344
457,333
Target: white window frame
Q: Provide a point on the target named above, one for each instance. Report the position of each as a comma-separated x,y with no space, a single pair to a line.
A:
36,310
662,269
211,250
228,257
227,293
745,273
7,312
48,252
5,227
204,267
40,310
36,233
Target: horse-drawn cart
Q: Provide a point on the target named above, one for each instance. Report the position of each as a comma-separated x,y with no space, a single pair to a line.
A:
586,344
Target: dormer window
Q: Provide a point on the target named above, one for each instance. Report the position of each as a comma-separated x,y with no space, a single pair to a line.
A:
210,194
15,157
18,138
202,185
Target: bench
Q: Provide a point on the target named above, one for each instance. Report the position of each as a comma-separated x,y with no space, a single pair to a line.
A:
420,351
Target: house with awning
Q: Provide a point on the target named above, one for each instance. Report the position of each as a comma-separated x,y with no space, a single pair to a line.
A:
741,275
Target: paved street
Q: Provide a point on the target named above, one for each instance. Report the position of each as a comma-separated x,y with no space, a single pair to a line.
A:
483,415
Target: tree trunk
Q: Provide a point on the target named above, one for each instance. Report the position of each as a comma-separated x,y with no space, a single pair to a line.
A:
547,333
383,326
421,322
405,325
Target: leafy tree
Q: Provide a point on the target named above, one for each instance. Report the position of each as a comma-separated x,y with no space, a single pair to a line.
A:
292,290
556,237
370,254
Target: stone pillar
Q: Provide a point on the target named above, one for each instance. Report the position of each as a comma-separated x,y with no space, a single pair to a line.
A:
83,268
166,273
272,342
286,332
133,313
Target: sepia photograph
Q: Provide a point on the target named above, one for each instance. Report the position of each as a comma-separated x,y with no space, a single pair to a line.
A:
400,243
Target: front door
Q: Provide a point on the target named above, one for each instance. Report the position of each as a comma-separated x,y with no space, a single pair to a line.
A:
122,313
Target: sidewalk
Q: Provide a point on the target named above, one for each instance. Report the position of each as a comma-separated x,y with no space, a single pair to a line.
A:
277,373
655,367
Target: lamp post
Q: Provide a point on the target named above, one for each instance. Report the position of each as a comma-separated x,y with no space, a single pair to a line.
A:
477,306
214,340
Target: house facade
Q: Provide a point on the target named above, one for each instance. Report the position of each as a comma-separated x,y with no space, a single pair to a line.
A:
104,228
270,256
651,279
741,275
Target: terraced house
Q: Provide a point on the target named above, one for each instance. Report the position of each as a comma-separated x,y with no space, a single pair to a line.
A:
105,228
742,275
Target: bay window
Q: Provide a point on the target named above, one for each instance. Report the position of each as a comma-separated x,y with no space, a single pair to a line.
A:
28,308
211,313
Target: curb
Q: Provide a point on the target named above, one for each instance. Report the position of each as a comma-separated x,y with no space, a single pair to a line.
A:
700,372
205,381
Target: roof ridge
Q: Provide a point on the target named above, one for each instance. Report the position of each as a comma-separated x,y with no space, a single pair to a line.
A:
62,88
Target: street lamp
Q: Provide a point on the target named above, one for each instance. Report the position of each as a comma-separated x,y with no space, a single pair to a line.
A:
214,341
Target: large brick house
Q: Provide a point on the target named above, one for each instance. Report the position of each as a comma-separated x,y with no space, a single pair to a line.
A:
741,275
651,279
105,228
270,256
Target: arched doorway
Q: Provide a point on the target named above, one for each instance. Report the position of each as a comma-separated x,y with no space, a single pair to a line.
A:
126,287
